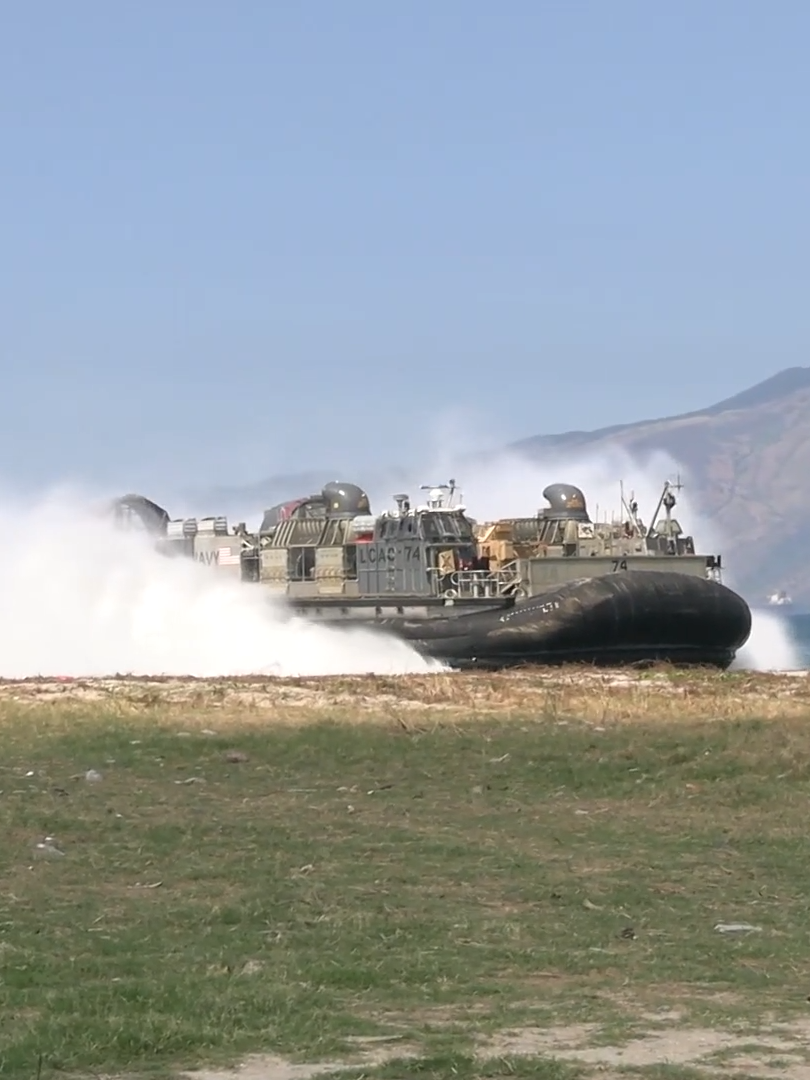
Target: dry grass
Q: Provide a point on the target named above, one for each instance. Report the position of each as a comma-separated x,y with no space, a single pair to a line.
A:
576,693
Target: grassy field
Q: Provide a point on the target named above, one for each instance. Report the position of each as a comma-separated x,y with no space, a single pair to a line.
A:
475,875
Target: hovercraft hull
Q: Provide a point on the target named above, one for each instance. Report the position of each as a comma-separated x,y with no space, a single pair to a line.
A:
620,619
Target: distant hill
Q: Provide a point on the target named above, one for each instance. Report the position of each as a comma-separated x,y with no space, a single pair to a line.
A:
749,464
748,459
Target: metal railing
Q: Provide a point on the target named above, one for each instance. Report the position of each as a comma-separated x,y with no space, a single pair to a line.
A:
478,584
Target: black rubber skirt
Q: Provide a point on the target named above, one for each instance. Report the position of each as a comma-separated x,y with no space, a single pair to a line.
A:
636,617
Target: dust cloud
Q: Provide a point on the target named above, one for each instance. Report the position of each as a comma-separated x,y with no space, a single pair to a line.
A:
81,598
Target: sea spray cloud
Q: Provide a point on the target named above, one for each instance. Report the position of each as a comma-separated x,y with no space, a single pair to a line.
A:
82,598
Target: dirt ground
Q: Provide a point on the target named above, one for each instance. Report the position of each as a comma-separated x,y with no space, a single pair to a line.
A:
580,692
781,1051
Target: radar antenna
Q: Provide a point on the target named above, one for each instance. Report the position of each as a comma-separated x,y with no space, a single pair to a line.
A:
435,496
631,508
667,500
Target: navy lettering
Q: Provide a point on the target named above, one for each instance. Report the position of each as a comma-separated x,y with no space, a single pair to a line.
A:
387,554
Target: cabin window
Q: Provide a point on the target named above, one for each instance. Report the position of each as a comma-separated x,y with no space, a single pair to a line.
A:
441,528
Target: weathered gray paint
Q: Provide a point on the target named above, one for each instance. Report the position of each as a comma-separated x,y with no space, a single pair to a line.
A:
540,573
398,567
326,561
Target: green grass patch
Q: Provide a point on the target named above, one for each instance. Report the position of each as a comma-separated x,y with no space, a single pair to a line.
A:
344,881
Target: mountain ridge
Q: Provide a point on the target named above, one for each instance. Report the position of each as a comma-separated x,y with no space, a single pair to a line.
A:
782,384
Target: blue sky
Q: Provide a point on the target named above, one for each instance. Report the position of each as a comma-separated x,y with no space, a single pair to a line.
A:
251,238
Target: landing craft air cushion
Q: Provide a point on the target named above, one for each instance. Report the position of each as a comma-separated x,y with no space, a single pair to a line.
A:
553,588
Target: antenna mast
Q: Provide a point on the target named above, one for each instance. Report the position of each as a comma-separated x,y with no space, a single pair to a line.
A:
668,487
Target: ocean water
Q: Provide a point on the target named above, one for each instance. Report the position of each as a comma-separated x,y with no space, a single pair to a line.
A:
798,626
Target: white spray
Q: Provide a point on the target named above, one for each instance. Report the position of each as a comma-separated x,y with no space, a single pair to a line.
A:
81,598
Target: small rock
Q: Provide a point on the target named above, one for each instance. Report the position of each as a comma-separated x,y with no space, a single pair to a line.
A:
235,756
92,777
48,850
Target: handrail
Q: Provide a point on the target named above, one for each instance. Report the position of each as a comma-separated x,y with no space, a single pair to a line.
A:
478,583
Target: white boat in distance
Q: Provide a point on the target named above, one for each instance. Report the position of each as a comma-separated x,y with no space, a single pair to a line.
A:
780,599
